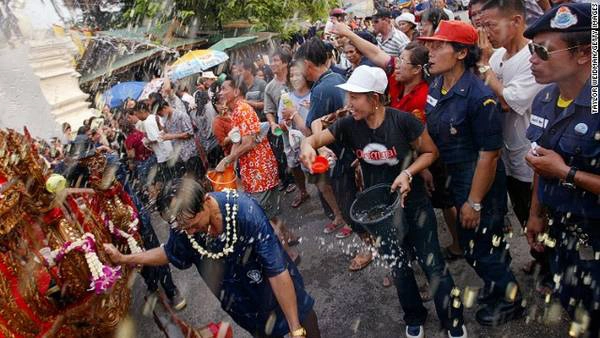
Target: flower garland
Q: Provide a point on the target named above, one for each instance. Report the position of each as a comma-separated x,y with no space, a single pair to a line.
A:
103,276
131,242
230,239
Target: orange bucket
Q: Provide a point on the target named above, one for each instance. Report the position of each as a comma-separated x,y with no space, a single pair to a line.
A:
225,180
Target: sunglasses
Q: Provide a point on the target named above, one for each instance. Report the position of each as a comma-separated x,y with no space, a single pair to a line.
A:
543,53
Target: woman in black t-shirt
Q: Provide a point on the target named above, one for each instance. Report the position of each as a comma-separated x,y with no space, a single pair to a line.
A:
385,141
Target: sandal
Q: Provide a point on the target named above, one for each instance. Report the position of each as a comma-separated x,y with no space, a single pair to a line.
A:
387,281
449,255
332,227
360,261
290,188
344,232
293,240
300,199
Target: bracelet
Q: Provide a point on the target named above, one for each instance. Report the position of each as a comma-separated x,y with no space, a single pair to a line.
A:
407,173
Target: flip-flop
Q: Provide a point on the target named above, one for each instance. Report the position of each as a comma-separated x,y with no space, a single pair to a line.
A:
290,188
332,227
293,240
301,199
359,266
387,281
344,232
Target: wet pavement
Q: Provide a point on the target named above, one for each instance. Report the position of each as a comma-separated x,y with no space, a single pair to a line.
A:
355,304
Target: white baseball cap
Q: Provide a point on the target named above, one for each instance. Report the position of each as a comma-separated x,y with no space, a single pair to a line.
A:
408,17
365,79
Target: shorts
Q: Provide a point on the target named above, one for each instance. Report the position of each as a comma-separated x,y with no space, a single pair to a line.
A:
270,201
441,197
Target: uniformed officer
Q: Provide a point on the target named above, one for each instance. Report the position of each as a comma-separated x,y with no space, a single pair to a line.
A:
566,159
464,120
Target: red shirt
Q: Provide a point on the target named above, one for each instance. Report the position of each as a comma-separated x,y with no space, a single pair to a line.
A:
221,127
412,102
134,141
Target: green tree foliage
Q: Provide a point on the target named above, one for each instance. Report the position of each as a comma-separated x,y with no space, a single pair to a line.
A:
282,16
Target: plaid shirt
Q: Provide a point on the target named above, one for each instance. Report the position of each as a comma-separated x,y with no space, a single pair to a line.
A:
180,122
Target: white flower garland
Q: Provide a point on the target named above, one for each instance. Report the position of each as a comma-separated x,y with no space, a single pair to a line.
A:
103,276
131,242
230,239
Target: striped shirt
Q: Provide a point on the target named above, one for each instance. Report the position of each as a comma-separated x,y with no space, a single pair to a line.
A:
394,45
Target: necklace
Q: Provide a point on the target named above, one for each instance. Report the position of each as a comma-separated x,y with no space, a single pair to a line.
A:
230,230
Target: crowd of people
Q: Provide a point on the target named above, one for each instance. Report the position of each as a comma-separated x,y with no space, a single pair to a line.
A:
452,115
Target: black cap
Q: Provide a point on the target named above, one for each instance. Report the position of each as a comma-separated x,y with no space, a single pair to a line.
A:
366,35
570,17
382,13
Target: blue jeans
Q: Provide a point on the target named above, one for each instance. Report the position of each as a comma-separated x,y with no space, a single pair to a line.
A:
413,233
484,247
576,264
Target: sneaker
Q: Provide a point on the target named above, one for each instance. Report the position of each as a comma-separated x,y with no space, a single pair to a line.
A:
458,332
416,331
177,302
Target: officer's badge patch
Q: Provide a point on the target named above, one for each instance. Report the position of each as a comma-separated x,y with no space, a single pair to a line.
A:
563,19
581,128
255,276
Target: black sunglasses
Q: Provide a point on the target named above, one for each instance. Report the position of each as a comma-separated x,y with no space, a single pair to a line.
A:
543,53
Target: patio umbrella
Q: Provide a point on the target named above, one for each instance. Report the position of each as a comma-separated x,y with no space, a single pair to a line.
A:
118,93
196,61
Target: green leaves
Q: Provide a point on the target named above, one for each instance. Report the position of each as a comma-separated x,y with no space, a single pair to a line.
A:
281,16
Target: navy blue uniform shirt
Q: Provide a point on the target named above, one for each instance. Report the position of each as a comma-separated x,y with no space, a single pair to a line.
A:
240,280
574,133
465,121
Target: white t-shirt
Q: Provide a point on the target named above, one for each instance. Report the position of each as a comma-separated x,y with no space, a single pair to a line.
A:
449,13
162,149
519,91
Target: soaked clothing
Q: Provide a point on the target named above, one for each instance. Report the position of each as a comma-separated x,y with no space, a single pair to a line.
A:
240,280
462,122
571,130
383,153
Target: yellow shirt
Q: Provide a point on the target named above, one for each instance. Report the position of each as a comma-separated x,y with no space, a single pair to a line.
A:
562,103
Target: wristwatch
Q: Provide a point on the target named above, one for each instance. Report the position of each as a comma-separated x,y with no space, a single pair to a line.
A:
476,206
569,181
300,332
483,69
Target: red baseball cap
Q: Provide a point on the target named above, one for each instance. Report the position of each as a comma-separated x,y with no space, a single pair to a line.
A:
337,12
454,31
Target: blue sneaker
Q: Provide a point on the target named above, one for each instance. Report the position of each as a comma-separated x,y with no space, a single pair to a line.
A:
415,331
458,332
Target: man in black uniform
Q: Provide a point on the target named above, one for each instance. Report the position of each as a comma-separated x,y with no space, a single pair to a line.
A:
565,208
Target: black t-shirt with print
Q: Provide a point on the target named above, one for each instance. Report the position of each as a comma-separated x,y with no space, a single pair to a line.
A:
384,151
